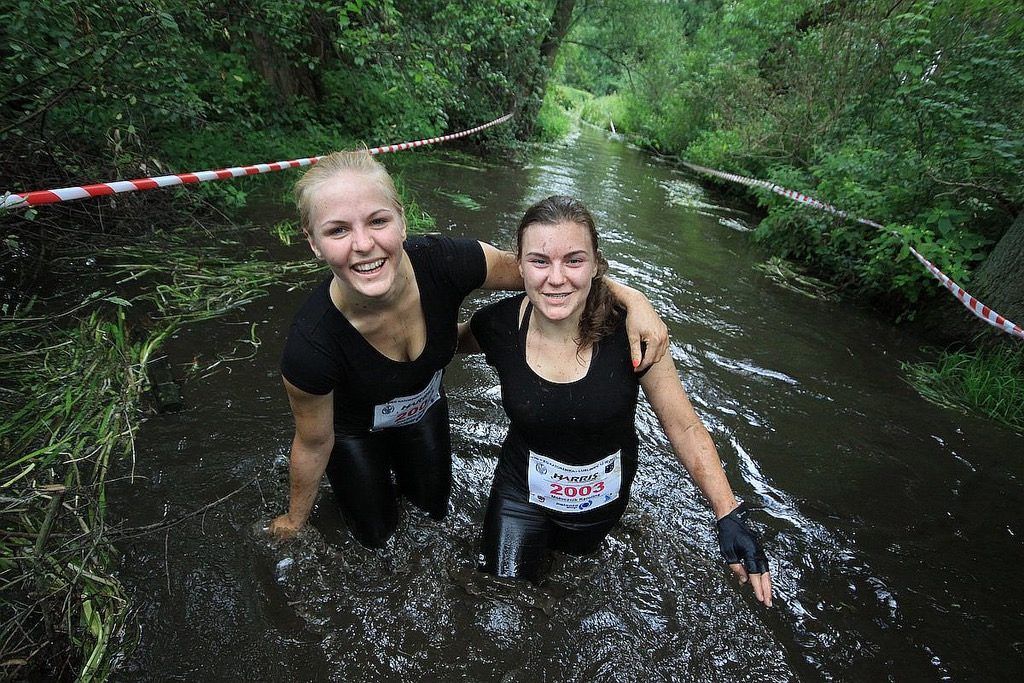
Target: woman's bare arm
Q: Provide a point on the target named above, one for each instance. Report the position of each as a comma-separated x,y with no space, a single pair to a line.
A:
311,449
696,451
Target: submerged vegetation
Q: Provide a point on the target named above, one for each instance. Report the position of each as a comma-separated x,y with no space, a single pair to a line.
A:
784,274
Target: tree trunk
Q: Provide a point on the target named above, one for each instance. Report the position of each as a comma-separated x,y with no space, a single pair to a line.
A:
560,20
531,86
998,283
1000,279
285,79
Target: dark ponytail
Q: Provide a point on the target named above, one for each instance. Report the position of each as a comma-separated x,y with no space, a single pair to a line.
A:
599,312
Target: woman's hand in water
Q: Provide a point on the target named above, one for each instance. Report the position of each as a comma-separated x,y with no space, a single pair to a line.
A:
742,550
283,528
761,583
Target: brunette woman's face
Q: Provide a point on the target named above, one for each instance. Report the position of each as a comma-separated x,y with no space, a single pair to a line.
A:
358,231
558,264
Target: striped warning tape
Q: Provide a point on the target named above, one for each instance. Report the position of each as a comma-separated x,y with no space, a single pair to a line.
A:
972,304
39,197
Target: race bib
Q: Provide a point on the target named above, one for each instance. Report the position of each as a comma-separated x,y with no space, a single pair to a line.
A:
407,410
574,488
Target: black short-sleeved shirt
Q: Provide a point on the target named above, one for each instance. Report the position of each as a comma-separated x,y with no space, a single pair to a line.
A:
576,423
325,353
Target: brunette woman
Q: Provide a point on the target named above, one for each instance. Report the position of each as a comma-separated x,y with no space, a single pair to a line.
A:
568,386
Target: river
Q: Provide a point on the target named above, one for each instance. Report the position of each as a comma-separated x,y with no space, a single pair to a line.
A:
893,526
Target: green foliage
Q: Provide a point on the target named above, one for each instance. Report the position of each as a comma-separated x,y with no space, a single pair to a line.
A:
909,113
553,120
105,87
605,111
985,382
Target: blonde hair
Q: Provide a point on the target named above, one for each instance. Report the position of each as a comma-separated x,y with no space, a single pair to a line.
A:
335,164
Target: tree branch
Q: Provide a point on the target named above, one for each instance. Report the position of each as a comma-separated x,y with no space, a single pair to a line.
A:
604,53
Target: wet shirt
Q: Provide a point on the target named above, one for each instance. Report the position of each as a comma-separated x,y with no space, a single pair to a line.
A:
325,353
575,423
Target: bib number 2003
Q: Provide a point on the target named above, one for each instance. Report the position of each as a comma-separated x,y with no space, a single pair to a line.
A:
573,491
574,488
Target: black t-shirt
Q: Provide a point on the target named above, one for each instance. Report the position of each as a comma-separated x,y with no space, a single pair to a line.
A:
576,423
325,353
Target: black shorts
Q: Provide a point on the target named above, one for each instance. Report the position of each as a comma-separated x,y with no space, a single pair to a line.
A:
518,534
361,467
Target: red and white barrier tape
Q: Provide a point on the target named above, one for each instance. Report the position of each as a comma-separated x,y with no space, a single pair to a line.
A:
38,197
973,305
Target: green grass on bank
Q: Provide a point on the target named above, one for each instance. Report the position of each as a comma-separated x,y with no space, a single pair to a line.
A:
984,382
74,383
553,122
562,104
607,111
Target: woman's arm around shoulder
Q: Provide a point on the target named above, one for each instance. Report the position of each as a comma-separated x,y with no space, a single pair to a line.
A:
696,452
311,449
647,332
643,325
502,269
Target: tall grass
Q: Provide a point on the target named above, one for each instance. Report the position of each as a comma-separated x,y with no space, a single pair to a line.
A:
988,382
70,405
73,384
607,111
553,120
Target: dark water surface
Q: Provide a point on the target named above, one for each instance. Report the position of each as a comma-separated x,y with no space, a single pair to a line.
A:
893,527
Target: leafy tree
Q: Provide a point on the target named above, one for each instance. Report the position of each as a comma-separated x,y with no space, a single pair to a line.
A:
908,112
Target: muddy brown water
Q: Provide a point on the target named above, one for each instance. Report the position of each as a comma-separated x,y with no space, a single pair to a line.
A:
893,526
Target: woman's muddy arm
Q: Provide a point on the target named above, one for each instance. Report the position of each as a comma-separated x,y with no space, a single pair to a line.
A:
311,449
648,334
696,452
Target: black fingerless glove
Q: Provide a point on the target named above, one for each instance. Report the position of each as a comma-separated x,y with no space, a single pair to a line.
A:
739,544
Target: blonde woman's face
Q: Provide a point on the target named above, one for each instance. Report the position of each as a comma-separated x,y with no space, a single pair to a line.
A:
356,229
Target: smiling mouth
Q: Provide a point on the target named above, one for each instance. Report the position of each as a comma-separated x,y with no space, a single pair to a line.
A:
369,268
557,297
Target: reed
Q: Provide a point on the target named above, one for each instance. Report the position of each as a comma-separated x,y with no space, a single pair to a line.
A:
72,388
70,402
987,382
